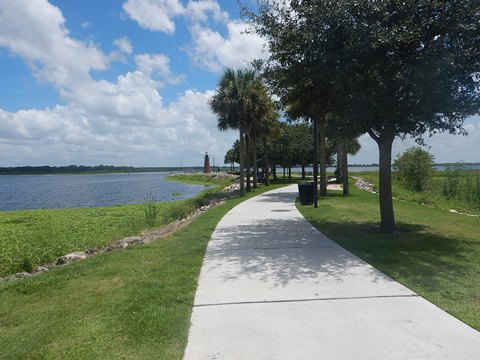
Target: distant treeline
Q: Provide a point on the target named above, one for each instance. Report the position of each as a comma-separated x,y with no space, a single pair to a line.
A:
74,169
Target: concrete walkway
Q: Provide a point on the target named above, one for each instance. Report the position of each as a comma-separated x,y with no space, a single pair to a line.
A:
273,287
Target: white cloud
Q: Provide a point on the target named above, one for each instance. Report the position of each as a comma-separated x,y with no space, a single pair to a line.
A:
133,98
124,45
151,64
70,134
155,15
119,122
445,147
214,52
85,25
35,30
200,10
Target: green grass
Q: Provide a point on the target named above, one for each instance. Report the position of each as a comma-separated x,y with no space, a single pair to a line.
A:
436,253
433,195
131,304
29,238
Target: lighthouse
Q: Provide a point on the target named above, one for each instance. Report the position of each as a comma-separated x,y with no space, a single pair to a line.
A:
206,164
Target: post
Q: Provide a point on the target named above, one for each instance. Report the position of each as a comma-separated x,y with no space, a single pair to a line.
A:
315,163
284,161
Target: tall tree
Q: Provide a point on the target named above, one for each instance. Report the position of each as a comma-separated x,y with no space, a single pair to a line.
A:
233,155
399,68
233,104
262,120
265,126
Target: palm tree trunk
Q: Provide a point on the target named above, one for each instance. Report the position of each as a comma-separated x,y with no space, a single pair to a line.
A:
255,168
242,164
247,162
267,165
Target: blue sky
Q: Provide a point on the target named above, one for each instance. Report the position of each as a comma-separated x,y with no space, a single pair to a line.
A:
127,83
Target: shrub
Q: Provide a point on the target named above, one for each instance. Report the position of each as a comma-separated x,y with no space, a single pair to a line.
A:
463,185
414,168
150,209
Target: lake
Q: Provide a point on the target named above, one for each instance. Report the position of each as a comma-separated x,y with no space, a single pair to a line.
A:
21,192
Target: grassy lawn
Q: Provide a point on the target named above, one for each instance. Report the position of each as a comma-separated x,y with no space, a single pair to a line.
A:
29,238
435,253
465,196
131,304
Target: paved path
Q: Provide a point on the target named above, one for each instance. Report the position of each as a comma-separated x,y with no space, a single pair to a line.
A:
273,287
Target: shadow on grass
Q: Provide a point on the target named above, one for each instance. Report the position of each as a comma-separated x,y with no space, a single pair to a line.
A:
414,255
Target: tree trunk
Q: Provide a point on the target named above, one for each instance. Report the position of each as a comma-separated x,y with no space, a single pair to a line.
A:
255,169
242,164
247,162
322,130
267,165
315,162
339,167
387,223
303,172
289,173
344,168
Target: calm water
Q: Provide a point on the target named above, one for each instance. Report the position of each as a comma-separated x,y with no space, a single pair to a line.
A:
92,190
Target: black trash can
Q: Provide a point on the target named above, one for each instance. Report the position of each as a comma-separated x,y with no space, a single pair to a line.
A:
305,191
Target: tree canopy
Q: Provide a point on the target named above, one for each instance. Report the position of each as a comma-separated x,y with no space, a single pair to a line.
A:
387,68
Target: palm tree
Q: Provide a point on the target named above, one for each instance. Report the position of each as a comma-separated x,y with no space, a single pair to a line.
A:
233,105
264,123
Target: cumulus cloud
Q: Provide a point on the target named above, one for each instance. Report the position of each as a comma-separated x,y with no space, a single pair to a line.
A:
69,134
202,9
156,15
445,147
214,46
123,120
124,45
151,64
214,52
35,30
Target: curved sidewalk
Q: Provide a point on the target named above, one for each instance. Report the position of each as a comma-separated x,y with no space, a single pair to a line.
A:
274,287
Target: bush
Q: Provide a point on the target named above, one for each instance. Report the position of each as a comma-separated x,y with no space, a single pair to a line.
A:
150,209
463,185
414,168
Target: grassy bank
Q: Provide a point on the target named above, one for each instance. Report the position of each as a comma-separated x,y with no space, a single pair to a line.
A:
29,238
436,253
457,189
131,304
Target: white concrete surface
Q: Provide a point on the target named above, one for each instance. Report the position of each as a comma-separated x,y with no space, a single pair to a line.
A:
273,287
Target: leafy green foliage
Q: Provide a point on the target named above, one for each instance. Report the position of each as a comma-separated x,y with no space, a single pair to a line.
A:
384,67
414,168
150,209
462,185
434,195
